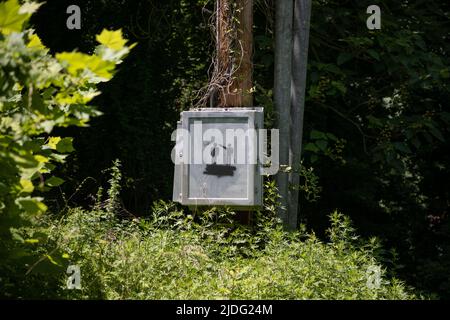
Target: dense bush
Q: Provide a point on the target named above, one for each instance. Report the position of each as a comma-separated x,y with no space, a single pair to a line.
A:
39,92
201,255
137,260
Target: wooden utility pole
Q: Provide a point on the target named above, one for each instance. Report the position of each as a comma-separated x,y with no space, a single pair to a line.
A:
234,59
234,51
282,97
302,16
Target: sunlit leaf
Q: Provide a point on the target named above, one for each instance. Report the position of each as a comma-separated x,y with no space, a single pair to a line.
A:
53,261
41,159
35,42
112,39
53,141
10,17
31,205
77,62
29,7
27,185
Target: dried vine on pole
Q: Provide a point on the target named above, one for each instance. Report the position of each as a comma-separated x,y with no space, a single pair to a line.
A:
230,83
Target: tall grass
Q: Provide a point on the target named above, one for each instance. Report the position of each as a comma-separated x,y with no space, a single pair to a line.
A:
174,256
205,254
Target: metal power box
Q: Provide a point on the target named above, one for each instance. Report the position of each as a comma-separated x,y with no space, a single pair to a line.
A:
216,158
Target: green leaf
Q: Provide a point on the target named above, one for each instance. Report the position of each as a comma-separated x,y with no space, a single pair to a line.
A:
15,234
53,141
31,205
373,54
26,161
340,86
54,181
10,17
331,68
112,39
437,134
343,58
53,261
77,62
322,144
35,42
65,145
402,147
316,135
41,159
80,97
445,73
30,7
311,147
332,137
374,122
59,157
27,185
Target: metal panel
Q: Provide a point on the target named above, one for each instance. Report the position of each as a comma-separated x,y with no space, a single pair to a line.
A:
232,177
178,170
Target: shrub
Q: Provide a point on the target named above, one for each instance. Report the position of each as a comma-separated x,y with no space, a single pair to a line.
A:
39,92
179,256
201,255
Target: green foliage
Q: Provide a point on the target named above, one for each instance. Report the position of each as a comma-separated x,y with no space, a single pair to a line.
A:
219,225
114,189
309,185
324,144
197,255
194,260
201,255
382,94
38,93
156,81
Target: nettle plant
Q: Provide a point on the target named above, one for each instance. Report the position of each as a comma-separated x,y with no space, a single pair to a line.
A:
39,92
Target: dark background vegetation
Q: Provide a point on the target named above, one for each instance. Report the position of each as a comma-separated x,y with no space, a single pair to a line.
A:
376,125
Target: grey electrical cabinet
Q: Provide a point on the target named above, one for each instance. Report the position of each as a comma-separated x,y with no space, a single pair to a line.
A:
216,158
